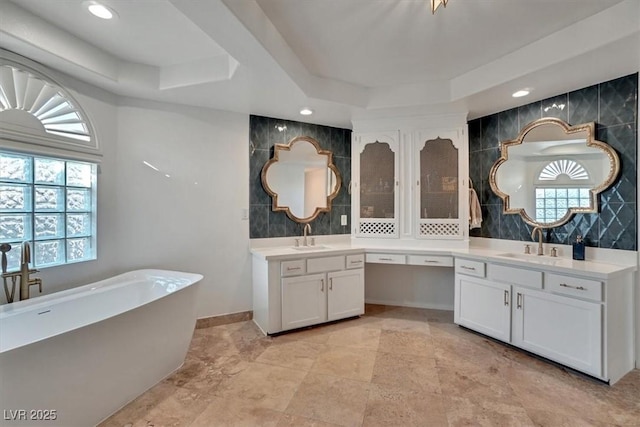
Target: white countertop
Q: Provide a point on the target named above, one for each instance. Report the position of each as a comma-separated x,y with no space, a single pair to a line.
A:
591,269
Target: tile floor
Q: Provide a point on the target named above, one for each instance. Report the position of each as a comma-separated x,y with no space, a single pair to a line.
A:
392,367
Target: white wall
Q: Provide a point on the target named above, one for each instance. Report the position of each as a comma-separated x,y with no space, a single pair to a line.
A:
191,220
148,220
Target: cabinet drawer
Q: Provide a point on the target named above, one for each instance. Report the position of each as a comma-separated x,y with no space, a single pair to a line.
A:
330,263
430,260
574,286
386,258
355,261
470,268
515,276
293,268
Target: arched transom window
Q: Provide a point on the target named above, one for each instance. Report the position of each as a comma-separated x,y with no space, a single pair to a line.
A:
25,91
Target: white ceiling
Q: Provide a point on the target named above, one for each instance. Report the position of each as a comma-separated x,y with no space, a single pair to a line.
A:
346,59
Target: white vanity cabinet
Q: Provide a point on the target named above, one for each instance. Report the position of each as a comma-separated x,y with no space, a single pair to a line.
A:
565,329
483,306
290,294
580,322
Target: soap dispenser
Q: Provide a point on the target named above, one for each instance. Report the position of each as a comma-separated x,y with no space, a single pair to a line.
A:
578,249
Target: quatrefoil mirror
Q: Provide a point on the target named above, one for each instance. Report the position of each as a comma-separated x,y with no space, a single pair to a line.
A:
301,179
553,170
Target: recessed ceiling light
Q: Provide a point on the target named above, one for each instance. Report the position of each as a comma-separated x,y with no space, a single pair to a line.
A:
306,111
521,93
100,10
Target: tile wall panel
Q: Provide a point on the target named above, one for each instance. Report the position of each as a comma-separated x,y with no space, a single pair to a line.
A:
264,133
613,106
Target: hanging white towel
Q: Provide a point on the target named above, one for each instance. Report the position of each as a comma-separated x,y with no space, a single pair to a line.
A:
475,211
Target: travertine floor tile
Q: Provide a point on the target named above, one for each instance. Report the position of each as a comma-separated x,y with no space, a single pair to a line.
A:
289,420
233,412
172,412
547,418
392,367
266,386
359,337
398,342
408,371
141,406
330,399
346,362
464,412
397,406
544,391
406,325
292,354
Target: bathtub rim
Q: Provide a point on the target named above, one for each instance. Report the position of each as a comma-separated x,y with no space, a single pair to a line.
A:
99,286
115,282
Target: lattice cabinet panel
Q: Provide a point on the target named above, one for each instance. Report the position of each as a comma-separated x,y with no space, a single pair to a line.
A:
377,229
440,229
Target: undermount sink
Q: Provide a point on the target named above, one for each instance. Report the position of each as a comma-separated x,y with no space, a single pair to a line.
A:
310,248
538,259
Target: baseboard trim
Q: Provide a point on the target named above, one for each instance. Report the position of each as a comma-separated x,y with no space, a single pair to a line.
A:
225,319
446,307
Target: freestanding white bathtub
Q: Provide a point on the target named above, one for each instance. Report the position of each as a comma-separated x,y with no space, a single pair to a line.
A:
73,358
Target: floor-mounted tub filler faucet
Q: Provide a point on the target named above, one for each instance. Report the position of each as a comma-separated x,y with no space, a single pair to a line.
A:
540,238
22,274
305,231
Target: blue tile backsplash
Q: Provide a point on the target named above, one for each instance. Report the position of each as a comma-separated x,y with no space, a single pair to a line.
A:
613,106
264,133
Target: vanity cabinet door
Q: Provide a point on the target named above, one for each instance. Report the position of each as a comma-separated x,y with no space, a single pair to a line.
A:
345,297
563,329
304,301
375,184
483,306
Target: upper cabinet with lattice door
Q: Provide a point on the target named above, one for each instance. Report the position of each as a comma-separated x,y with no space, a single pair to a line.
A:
411,183
375,182
439,171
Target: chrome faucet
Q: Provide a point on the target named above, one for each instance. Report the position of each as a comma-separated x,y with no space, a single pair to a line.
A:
540,238
23,274
305,230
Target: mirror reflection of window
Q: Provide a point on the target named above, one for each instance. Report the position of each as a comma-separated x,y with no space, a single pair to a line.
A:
561,184
553,168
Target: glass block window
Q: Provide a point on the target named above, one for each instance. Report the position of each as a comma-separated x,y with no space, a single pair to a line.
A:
553,203
50,203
